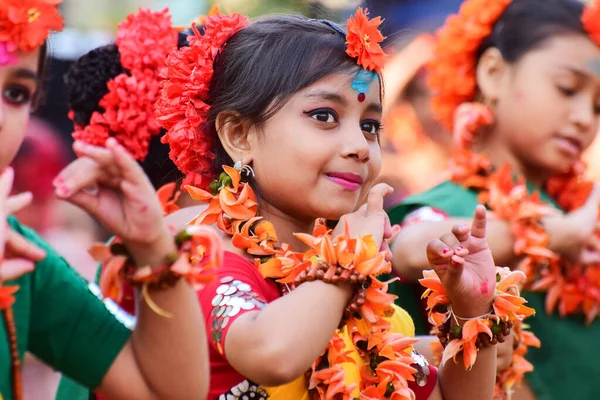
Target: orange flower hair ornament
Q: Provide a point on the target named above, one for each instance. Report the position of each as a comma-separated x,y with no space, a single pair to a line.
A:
363,41
144,41
26,24
451,74
591,20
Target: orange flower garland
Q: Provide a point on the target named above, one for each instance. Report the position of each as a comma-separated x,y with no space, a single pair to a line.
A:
26,24
232,206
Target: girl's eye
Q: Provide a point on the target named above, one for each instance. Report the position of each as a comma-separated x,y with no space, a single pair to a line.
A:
323,115
371,127
17,95
567,91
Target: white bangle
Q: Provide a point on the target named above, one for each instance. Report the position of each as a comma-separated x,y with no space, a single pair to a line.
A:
456,317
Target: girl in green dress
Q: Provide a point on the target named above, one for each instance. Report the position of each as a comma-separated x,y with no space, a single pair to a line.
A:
518,84
47,308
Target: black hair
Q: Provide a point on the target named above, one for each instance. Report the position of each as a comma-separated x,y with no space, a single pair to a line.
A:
526,25
42,63
87,84
264,64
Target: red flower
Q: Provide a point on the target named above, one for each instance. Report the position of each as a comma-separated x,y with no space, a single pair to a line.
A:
591,21
363,41
181,107
144,41
25,24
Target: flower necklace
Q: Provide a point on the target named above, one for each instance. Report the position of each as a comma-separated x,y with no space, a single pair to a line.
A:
387,361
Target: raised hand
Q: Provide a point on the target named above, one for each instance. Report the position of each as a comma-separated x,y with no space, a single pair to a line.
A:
370,218
464,264
110,185
17,255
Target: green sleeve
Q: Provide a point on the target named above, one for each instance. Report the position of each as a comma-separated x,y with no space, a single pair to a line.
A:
70,328
448,197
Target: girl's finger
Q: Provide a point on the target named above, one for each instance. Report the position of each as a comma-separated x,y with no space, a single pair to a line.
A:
461,232
439,253
15,268
18,202
99,154
19,247
479,222
450,240
80,174
85,200
6,180
128,167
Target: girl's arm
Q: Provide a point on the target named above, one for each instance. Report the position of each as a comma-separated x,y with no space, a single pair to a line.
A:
278,344
165,358
568,233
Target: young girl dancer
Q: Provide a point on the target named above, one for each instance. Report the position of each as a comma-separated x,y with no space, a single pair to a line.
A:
276,123
48,309
518,83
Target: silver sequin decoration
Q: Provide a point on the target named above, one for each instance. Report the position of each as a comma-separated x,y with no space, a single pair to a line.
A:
422,366
246,391
231,297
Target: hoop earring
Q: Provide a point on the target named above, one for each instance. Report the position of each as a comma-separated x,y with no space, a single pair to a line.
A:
243,168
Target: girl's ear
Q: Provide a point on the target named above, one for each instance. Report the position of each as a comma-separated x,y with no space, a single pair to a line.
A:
238,136
491,70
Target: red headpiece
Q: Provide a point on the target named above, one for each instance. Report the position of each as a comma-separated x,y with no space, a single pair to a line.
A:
144,41
182,109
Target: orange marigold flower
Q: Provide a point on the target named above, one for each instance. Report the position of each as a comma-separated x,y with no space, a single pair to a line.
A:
363,41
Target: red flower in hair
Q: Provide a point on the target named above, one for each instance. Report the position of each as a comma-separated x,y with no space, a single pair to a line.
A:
181,108
363,41
25,24
591,21
144,41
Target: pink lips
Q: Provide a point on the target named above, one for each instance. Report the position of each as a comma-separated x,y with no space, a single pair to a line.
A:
570,145
348,181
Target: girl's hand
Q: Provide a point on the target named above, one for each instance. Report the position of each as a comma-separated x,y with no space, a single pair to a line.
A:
370,218
464,264
17,254
110,185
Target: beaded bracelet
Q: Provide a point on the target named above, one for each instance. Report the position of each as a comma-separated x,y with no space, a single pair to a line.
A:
337,261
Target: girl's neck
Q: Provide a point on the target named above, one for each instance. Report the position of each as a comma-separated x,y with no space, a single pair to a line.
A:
500,155
286,225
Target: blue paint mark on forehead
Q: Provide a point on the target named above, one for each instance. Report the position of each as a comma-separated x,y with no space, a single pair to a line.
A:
362,81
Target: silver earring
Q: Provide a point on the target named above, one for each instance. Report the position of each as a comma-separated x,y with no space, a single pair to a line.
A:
243,168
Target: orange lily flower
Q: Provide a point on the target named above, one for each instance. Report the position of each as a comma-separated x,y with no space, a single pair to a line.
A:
168,196
236,201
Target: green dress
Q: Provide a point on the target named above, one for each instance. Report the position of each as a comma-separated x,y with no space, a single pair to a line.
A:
568,363
60,321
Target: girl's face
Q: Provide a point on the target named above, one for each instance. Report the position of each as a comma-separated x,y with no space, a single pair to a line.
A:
549,102
18,83
319,155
